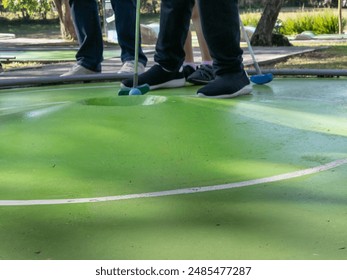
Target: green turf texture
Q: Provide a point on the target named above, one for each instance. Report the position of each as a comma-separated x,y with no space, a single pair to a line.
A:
52,55
80,141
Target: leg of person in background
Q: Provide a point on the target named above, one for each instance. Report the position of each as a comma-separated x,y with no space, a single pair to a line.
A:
189,65
88,30
125,14
1,69
203,73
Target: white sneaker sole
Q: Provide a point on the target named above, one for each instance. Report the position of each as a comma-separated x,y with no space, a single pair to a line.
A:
244,91
81,73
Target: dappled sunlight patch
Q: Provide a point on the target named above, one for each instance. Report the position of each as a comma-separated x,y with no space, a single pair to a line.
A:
253,168
314,122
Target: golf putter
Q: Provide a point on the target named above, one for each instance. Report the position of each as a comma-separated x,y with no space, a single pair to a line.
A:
136,89
260,78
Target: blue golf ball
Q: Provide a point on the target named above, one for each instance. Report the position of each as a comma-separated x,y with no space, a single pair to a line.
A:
135,91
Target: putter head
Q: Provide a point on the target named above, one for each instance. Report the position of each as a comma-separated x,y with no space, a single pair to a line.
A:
262,78
126,90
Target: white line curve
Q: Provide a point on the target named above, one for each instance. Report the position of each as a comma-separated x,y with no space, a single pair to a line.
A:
276,178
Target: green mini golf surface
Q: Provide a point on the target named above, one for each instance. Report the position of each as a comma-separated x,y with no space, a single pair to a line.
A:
52,55
63,143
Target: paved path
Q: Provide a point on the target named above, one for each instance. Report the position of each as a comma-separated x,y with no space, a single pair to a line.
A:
263,55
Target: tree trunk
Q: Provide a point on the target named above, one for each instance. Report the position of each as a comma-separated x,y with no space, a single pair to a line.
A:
263,33
66,25
339,7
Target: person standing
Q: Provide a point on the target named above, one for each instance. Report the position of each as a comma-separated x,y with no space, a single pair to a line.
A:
221,28
87,24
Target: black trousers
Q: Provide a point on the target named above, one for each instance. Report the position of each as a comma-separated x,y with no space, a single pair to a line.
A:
221,27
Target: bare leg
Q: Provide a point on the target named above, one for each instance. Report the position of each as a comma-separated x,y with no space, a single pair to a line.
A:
205,54
203,74
188,49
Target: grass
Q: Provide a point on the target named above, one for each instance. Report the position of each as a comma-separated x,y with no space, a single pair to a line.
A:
252,18
31,29
332,56
285,14
49,28
21,65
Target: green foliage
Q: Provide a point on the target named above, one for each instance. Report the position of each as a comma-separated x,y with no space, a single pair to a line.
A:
28,8
325,22
250,19
322,22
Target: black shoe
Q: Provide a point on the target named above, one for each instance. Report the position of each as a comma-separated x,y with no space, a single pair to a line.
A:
202,76
227,85
188,70
156,77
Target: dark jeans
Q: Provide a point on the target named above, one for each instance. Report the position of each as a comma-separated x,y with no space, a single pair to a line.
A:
221,26
125,12
88,29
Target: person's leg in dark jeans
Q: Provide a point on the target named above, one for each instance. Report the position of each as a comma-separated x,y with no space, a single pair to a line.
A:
125,14
221,26
174,26
88,29
169,56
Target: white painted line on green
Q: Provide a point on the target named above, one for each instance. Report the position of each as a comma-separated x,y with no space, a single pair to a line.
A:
276,178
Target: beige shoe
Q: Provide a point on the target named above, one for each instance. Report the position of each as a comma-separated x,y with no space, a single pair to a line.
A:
78,70
129,68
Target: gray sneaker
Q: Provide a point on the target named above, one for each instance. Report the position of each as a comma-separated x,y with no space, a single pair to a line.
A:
202,75
78,70
129,68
